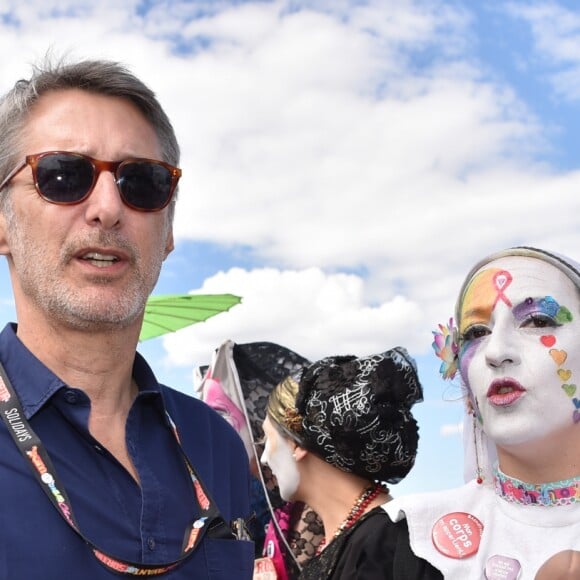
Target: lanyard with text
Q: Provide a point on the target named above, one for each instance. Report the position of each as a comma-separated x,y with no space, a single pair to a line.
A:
34,452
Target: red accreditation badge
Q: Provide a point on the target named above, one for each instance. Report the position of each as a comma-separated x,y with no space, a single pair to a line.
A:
457,535
264,569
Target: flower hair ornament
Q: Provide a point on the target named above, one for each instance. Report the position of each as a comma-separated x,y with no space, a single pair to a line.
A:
292,420
446,347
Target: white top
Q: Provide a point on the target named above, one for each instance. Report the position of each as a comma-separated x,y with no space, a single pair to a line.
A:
515,542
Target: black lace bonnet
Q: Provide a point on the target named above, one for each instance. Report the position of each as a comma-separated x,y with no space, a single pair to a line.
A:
355,413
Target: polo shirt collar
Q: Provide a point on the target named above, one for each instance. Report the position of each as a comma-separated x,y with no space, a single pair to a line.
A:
35,384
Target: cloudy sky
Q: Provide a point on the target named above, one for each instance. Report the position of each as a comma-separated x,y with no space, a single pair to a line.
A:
344,163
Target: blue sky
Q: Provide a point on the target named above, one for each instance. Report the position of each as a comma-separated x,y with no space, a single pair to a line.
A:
344,163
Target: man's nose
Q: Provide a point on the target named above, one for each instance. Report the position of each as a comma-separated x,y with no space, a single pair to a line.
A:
104,205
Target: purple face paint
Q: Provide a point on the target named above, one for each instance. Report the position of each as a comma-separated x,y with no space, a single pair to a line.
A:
546,306
466,353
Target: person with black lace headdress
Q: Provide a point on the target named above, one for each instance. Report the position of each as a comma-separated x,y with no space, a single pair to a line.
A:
335,434
237,384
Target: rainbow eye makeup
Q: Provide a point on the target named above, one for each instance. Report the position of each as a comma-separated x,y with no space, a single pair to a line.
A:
541,312
547,306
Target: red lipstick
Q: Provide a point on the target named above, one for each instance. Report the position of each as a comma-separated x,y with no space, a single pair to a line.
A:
504,392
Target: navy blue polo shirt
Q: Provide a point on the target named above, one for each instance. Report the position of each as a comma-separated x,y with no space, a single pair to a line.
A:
140,523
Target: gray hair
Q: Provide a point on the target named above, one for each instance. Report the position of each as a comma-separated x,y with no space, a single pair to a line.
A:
101,77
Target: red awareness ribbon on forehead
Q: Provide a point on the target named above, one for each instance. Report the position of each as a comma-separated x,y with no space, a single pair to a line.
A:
501,280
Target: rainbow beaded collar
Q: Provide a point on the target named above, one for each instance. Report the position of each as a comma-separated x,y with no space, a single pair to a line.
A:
564,492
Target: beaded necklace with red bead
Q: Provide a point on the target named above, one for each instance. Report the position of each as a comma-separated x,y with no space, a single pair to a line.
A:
356,512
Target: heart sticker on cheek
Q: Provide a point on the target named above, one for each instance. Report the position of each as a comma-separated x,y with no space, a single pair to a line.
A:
564,374
559,356
548,340
570,390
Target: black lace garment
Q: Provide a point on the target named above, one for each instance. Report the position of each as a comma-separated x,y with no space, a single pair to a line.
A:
374,548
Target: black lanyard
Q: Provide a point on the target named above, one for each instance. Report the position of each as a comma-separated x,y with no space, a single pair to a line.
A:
35,453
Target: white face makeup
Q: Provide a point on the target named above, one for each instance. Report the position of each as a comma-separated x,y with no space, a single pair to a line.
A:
520,351
278,456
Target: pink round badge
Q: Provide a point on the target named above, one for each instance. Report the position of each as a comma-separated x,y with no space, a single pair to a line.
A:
457,535
502,568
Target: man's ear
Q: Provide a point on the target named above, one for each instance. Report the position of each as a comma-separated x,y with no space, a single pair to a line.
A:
4,246
169,243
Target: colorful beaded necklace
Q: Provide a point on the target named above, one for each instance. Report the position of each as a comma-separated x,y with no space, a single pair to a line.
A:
356,512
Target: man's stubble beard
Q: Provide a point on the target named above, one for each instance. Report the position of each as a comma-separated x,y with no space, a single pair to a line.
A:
45,285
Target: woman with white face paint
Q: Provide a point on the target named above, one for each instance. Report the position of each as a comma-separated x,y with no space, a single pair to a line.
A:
517,349
237,384
333,436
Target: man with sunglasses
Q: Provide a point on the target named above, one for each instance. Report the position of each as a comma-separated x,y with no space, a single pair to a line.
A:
103,470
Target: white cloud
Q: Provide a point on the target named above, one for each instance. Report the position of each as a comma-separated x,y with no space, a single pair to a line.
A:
451,430
556,35
328,147
313,313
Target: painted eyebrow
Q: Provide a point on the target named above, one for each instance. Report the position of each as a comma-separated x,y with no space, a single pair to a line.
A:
544,304
478,313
